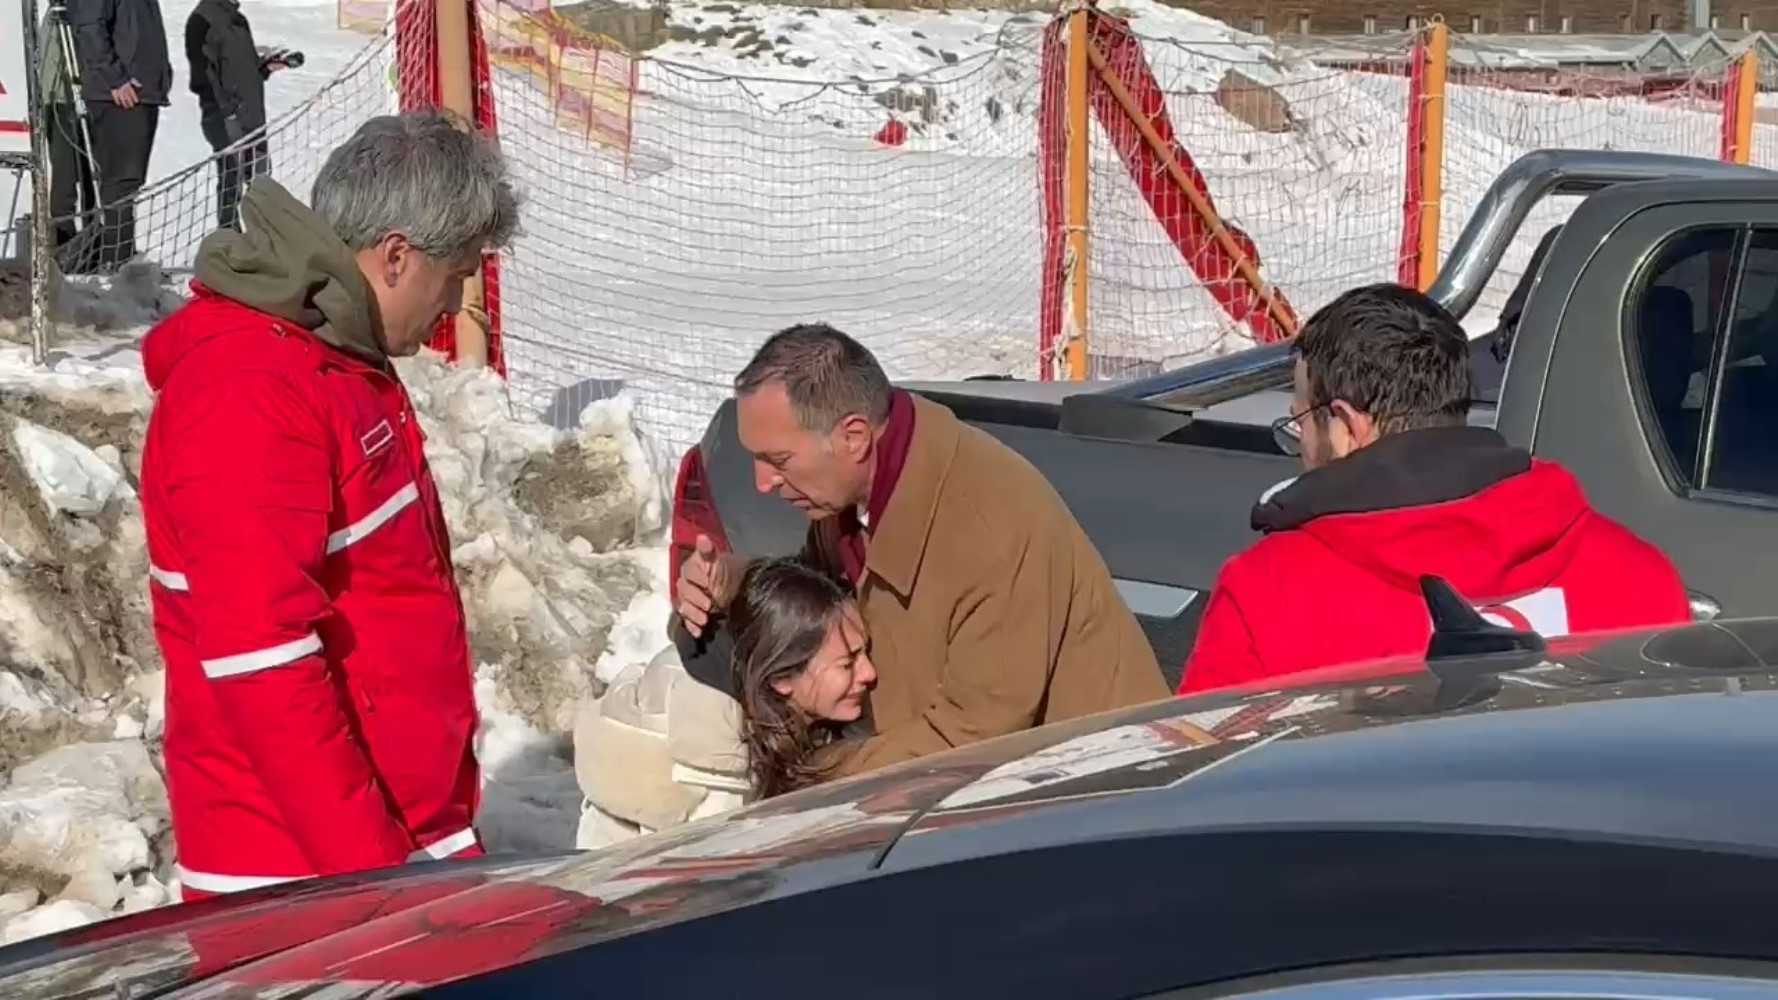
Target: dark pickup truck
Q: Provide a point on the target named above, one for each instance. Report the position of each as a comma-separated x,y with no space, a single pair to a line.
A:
1640,350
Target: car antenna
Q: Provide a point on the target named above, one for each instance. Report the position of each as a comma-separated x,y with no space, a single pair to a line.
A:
1467,652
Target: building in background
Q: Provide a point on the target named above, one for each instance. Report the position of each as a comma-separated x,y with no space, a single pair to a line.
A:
1584,17
1575,65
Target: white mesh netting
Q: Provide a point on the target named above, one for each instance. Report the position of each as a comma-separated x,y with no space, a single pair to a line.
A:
744,205
880,171
1308,162
1492,120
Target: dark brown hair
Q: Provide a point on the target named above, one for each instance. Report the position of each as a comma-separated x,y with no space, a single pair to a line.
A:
1391,352
779,619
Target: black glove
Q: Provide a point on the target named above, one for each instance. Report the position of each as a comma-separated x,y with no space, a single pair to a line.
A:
231,127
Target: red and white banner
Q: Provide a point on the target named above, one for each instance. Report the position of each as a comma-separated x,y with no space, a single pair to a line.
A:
15,103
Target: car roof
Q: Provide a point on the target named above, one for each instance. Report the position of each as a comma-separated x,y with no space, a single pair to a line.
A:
1636,736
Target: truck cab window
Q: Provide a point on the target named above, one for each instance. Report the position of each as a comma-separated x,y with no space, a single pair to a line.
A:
1744,435
1674,315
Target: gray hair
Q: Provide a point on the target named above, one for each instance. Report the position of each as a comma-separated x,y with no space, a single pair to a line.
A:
421,175
827,375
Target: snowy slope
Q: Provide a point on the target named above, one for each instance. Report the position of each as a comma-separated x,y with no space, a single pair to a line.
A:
748,204
756,196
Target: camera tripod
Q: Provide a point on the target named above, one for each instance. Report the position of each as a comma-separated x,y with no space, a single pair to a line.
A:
59,39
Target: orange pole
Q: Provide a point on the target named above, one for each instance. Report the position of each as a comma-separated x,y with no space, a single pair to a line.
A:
1746,88
456,90
1218,231
1074,334
1432,149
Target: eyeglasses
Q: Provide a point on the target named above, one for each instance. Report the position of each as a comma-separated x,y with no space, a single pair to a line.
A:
1287,431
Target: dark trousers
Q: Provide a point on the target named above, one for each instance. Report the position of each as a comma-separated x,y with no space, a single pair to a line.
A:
73,198
234,169
123,139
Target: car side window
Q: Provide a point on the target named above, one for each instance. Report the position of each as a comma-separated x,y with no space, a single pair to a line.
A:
1743,438
1675,315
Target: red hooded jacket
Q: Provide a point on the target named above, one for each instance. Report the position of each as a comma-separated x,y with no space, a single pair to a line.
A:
1336,578
320,707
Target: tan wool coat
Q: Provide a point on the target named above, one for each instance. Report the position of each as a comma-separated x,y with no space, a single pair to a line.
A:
989,611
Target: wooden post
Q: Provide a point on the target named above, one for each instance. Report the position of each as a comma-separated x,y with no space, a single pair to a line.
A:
1746,87
1074,335
1413,195
45,274
1432,150
1074,332
457,92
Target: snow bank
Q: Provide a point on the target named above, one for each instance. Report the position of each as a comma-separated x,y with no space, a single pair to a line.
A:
558,555
73,590
72,478
84,307
563,578
80,820
545,525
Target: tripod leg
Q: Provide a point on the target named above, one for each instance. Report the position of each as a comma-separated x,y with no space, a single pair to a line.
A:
89,184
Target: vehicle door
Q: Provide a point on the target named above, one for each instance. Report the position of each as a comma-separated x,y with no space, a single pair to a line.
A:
1659,389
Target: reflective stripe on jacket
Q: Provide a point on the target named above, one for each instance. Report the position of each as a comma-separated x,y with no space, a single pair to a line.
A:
320,704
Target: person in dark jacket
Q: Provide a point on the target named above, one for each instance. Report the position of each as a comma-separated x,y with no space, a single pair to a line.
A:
228,74
126,77
1399,485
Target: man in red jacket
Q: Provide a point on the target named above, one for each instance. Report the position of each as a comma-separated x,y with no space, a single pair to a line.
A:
320,706
1399,485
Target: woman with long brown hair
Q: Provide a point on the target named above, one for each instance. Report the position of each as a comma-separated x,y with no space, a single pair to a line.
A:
802,669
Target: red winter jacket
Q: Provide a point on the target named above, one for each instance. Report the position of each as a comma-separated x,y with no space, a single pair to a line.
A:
320,708
1336,579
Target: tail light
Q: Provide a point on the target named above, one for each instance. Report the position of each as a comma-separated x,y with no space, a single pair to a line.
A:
694,514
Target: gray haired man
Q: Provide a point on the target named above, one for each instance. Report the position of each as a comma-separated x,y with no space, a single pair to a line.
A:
321,715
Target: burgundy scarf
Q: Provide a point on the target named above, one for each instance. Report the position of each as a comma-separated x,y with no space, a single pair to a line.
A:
892,454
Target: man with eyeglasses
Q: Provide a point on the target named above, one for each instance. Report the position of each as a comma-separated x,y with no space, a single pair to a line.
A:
1398,484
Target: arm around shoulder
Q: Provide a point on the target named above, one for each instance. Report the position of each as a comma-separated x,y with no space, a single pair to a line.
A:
1005,633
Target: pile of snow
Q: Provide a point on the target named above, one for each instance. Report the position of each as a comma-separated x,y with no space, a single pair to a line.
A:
545,525
558,554
135,297
78,825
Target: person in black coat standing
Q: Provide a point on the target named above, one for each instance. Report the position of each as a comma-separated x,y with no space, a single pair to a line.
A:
126,77
228,73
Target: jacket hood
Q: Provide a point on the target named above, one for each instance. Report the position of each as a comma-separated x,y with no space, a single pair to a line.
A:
1459,503
289,263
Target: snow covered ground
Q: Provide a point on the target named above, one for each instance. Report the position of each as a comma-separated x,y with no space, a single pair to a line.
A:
754,196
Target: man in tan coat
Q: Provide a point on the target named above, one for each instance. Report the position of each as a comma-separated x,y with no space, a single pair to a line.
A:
988,609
